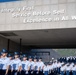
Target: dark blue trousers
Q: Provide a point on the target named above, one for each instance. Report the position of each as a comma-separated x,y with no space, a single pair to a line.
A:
40,73
67,73
73,72
36,73
31,72
15,72
58,70
23,72
3,72
62,72
46,73
9,72
0,71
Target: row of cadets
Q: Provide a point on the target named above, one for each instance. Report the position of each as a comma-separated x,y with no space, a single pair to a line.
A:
24,65
15,64
68,69
4,62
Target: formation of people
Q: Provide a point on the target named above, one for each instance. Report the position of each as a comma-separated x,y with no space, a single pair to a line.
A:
17,65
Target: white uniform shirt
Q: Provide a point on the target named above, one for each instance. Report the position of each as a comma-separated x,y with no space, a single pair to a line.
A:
45,68
51,67
73,68
48,67
15,64
30,64
5,63
36,66
63,68
54,65
0,63
24,65
71,65
68,68
59,65
41,65
10,63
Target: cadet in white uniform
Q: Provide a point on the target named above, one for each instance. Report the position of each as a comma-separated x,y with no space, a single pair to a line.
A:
5,62
9,68
24,65
55,67
46,69
15,64
63,69
0,63
58,67
68,69
30,65
41,65
36,67
74,69
51,68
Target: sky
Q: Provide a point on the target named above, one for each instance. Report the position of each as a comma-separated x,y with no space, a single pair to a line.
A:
7,0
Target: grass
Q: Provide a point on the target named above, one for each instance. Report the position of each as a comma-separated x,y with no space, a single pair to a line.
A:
66,52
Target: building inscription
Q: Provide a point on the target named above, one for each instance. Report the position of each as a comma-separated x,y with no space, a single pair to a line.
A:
30,15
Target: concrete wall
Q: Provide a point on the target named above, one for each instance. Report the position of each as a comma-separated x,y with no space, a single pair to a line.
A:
3,43
13,46
8,23
45,54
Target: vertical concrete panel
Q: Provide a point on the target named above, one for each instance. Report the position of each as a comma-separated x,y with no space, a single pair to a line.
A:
30,3
2,19
54,1
46,1
54,7
38,2
13,46
23,3
62,1
71,9
3,43
46,8
71,0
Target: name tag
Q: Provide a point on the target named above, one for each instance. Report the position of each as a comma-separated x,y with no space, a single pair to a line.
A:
23,66
14,66
35,67
31,67
2,66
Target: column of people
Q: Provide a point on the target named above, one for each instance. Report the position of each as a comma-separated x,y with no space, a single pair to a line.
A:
16,65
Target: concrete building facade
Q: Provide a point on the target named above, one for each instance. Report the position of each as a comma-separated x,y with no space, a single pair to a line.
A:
39,23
